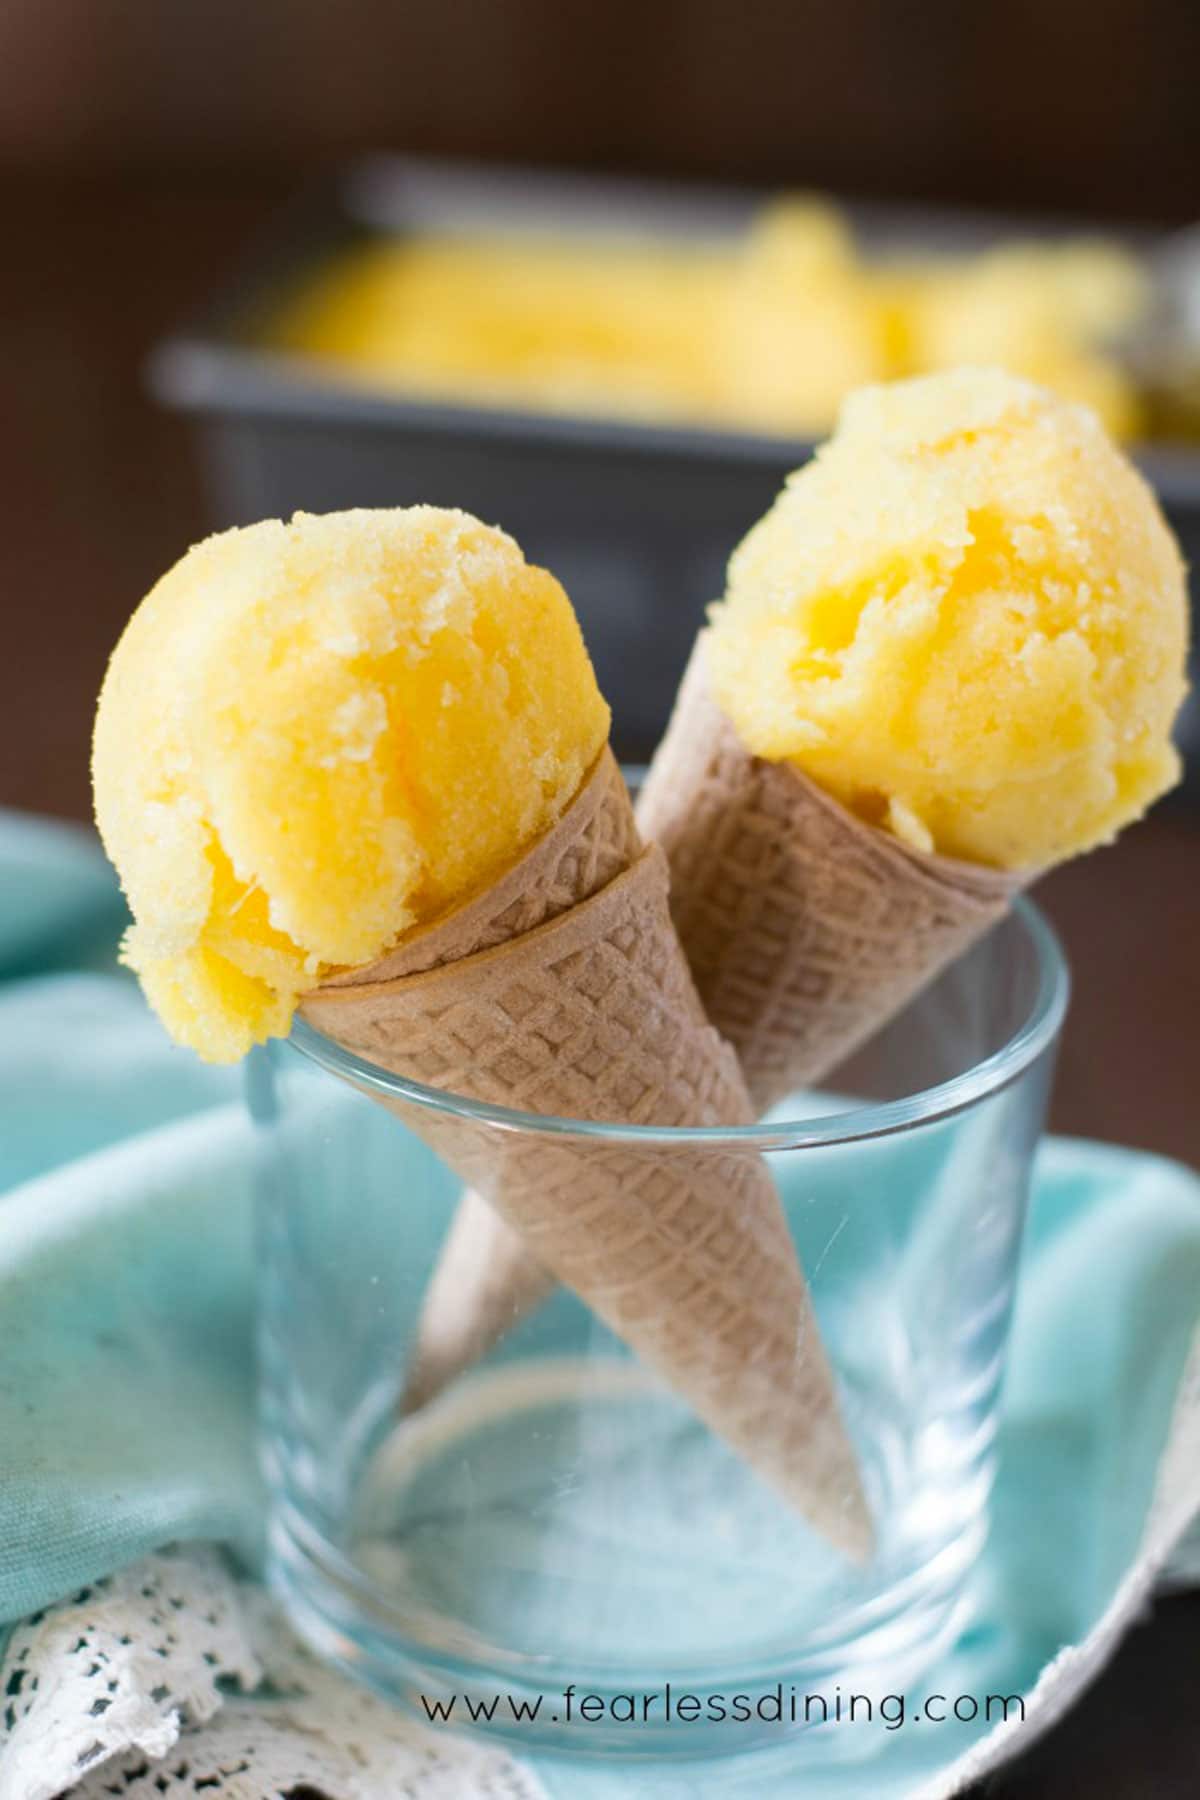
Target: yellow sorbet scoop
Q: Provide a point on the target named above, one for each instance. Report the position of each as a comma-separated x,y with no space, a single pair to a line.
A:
966,619
315,735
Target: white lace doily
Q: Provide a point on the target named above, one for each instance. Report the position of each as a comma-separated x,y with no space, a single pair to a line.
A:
139,1689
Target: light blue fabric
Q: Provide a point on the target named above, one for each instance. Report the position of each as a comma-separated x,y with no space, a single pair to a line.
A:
125,1329
125,1256
58,900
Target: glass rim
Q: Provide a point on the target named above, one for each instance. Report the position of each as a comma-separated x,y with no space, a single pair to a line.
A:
869,1119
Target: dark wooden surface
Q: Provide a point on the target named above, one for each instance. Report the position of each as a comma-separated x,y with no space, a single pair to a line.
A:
99,496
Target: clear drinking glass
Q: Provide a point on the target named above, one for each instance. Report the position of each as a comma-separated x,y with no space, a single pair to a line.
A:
556,1520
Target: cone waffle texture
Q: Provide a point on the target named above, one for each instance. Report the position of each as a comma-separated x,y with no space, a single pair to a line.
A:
682,1250
487,1279
806,929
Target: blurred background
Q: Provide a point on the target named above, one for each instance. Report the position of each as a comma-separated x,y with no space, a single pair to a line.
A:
149,152
145,150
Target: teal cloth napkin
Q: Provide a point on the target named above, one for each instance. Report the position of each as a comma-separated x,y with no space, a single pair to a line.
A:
126,1407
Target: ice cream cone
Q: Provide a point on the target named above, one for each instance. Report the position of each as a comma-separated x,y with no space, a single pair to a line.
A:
805,928
592,1014
486,1281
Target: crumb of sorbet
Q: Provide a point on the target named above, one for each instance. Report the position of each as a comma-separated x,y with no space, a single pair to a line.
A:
966,619
315,735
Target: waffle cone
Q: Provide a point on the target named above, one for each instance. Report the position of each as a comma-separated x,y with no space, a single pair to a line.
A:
486,1279
805,928
592,1014
485,1282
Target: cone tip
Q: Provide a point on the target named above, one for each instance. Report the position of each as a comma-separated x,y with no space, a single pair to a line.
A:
852,1530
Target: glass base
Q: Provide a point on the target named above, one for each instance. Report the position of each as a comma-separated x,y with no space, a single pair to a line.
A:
652,1598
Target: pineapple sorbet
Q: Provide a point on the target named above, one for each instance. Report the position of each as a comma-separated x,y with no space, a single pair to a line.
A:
966,619
313,736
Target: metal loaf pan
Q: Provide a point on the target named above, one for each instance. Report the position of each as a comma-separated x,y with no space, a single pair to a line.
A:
637,520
